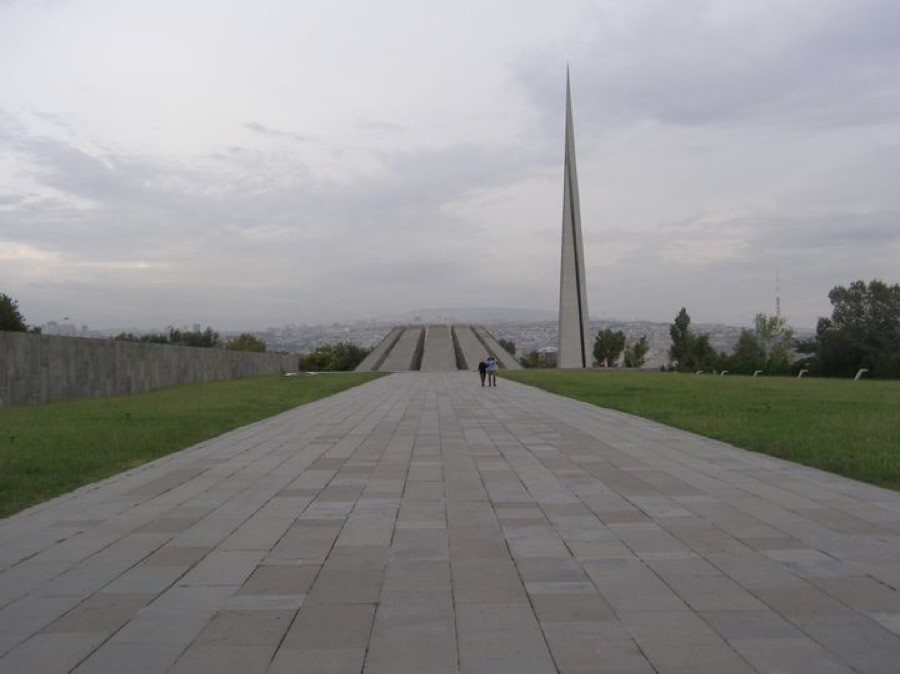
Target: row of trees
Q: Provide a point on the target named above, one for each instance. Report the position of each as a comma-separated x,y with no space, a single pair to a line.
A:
610,345
12,320
208,339
767,346
342,357
863,332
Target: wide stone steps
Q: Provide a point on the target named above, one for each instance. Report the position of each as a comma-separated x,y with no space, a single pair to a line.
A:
435,348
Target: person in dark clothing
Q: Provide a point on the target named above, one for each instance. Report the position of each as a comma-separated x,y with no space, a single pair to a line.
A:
482,371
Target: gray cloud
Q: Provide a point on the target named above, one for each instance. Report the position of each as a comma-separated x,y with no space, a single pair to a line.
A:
263,130
381,127
696,63
248,226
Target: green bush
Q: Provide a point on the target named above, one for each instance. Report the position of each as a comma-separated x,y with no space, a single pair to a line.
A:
342,357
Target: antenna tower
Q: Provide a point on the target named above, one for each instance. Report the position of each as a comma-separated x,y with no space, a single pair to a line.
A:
778,293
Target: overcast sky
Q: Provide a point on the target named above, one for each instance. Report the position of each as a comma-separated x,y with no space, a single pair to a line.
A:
249,164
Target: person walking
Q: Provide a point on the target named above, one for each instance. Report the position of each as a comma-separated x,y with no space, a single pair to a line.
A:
492,366
482,371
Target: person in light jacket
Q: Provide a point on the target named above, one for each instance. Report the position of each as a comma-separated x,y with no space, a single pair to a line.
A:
492,366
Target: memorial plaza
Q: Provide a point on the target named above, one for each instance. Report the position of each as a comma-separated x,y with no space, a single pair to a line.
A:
421,523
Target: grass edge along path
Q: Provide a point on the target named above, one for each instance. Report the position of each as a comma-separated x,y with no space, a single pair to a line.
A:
51,449
851,428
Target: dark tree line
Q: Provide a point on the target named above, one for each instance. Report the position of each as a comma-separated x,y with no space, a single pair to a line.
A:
863,332
610,345
208,338
11,319
767,347
342,357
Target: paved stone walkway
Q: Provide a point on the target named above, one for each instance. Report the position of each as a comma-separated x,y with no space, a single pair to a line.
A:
423,524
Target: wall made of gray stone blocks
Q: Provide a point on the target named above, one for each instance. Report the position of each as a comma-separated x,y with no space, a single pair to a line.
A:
43,368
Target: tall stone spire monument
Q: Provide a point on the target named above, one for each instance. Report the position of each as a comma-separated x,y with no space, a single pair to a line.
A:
574,326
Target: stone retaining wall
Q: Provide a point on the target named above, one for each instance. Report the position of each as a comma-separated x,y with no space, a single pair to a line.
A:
43,368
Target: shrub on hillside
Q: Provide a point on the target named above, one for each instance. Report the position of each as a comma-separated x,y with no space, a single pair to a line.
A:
341,357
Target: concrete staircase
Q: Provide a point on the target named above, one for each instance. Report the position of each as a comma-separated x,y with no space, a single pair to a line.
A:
435,348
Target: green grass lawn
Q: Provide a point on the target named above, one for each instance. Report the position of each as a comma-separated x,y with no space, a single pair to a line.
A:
51,449
847,427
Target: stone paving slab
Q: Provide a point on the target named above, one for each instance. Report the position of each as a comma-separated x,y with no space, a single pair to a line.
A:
422,523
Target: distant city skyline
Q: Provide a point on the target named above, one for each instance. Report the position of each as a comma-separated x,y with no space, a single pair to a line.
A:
492,316
264,163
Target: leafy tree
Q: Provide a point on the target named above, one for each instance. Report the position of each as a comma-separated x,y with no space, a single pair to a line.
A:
150,338
530,360
341,357
776,340
608,346
208,338
508,345
748,356
536,359
246,342
863,331
690,351
636,352
769,346
682,339
11,318
703,355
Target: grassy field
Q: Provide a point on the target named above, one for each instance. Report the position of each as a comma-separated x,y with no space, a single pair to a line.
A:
847,427
50,449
